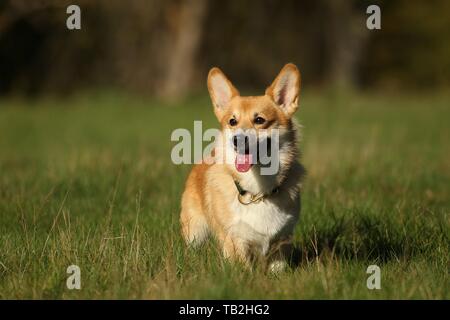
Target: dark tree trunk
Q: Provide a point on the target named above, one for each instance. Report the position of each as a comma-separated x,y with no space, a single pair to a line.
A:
345,38
187,19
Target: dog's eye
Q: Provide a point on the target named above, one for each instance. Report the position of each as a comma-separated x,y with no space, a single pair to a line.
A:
259,120
233,122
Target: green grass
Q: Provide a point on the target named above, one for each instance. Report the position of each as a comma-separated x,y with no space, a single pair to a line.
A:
89,181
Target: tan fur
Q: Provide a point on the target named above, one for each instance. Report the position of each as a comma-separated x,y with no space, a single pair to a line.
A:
209,202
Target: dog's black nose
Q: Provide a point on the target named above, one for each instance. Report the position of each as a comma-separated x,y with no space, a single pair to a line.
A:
241,143
235,141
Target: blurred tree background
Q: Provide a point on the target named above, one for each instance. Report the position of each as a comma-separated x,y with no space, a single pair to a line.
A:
165,48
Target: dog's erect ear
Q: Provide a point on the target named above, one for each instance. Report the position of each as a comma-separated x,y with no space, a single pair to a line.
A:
285,89
221,90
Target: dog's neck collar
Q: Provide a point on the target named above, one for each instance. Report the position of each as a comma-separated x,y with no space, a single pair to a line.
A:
246,198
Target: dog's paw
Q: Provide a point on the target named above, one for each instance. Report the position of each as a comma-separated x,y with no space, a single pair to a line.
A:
277,266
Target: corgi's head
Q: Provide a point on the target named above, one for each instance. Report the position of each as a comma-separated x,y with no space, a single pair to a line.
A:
249,122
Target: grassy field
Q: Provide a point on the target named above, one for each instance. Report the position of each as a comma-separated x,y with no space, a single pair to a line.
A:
89,181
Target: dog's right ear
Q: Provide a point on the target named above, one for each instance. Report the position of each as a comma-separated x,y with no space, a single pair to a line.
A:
221,90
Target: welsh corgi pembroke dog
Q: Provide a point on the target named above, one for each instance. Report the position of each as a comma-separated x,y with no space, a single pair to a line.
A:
252,213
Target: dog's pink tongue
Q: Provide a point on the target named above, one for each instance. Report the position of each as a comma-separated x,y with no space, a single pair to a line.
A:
243,162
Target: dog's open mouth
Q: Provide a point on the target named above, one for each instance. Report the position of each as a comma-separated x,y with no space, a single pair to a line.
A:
243,162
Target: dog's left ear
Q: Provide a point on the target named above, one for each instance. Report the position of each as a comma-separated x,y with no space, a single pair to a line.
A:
285,89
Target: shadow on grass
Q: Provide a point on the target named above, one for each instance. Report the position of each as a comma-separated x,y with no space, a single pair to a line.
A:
373,238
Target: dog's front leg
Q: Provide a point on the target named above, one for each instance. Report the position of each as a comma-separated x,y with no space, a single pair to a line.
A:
235,249
279,256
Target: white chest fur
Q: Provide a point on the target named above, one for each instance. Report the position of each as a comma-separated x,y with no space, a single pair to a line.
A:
264,221
260,223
